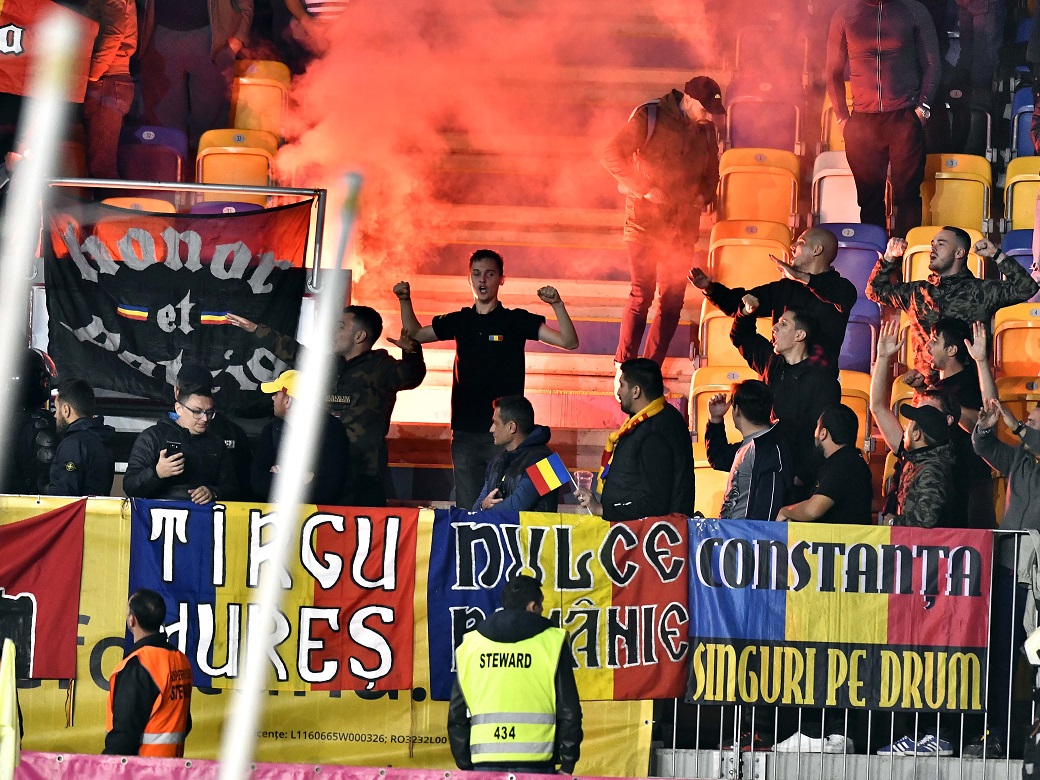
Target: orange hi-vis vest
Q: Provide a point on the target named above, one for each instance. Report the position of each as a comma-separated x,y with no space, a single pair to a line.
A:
167,726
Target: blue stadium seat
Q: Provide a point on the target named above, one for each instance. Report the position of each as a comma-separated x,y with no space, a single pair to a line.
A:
1021,118
859,347
854,234
762,114
150,153
1018,244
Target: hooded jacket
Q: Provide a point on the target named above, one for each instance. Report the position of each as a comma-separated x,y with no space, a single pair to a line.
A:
1022,470
205,463
516,625
681,158
83,464
925,486
508,473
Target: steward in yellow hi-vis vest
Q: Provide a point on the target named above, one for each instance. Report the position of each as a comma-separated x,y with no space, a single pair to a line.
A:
515,704
149,694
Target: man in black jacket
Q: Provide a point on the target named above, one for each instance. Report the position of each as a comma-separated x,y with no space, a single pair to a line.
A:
647,465
179,458
892,54
365,390
83,464
809,283
507,487
508,717
803,387
330,483
760,471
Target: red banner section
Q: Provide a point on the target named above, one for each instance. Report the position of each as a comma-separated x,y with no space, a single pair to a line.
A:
41,562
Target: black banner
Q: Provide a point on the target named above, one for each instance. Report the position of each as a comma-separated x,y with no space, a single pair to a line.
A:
132,295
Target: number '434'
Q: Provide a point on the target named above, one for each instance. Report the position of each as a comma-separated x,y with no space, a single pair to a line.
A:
505,732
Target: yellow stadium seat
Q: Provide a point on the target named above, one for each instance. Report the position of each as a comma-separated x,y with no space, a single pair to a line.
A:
706,382
956,191
1020,194
154,205
1016,340
855,393
1019,395
901,392
739,250
833,138
710,487
919,244
236,157
260,96
715,347
759,184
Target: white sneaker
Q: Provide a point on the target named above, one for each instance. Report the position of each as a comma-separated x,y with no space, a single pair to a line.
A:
799,743
836,743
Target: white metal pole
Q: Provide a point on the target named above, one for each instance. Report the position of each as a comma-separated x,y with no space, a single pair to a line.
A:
296,458
41,127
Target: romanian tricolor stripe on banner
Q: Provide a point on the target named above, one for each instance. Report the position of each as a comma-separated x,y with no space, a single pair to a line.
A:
346,620
548,474
138,313
839,615
619,589
213,318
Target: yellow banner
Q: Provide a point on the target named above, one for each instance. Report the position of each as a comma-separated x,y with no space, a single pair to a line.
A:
398,728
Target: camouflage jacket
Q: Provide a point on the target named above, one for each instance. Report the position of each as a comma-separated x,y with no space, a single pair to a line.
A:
925,486
960,296
362,397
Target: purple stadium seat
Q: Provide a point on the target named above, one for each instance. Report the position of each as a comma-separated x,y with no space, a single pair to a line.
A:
223,207
858,349
1018,244
854,234
150,153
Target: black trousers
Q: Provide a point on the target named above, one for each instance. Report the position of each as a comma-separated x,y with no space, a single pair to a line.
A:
873,142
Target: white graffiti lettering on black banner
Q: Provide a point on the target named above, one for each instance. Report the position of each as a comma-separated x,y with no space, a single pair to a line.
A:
137,252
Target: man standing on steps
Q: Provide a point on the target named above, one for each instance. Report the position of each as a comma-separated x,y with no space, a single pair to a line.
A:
809,283
489,361
666,161
893,58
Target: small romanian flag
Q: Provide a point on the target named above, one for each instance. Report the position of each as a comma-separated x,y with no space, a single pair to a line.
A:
214,318
548,474
496,338
139,313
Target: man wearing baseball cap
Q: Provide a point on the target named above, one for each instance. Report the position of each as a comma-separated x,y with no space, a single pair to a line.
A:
330,482
924,451
666,162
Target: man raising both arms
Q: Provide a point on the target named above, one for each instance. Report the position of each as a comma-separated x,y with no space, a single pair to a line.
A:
489,361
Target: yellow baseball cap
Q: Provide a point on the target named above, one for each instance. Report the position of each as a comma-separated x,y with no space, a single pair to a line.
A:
288,381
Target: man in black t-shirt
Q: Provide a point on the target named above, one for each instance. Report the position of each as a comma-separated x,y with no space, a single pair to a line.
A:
489,361
843,491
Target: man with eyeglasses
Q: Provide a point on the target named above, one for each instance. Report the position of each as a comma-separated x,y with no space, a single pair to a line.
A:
179,458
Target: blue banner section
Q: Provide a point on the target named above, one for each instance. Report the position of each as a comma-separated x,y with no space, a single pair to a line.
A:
171,552
746,612
464,584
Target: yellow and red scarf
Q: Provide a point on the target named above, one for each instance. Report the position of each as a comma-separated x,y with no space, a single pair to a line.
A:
654,407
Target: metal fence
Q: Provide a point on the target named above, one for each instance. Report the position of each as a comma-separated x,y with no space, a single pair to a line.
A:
761,742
